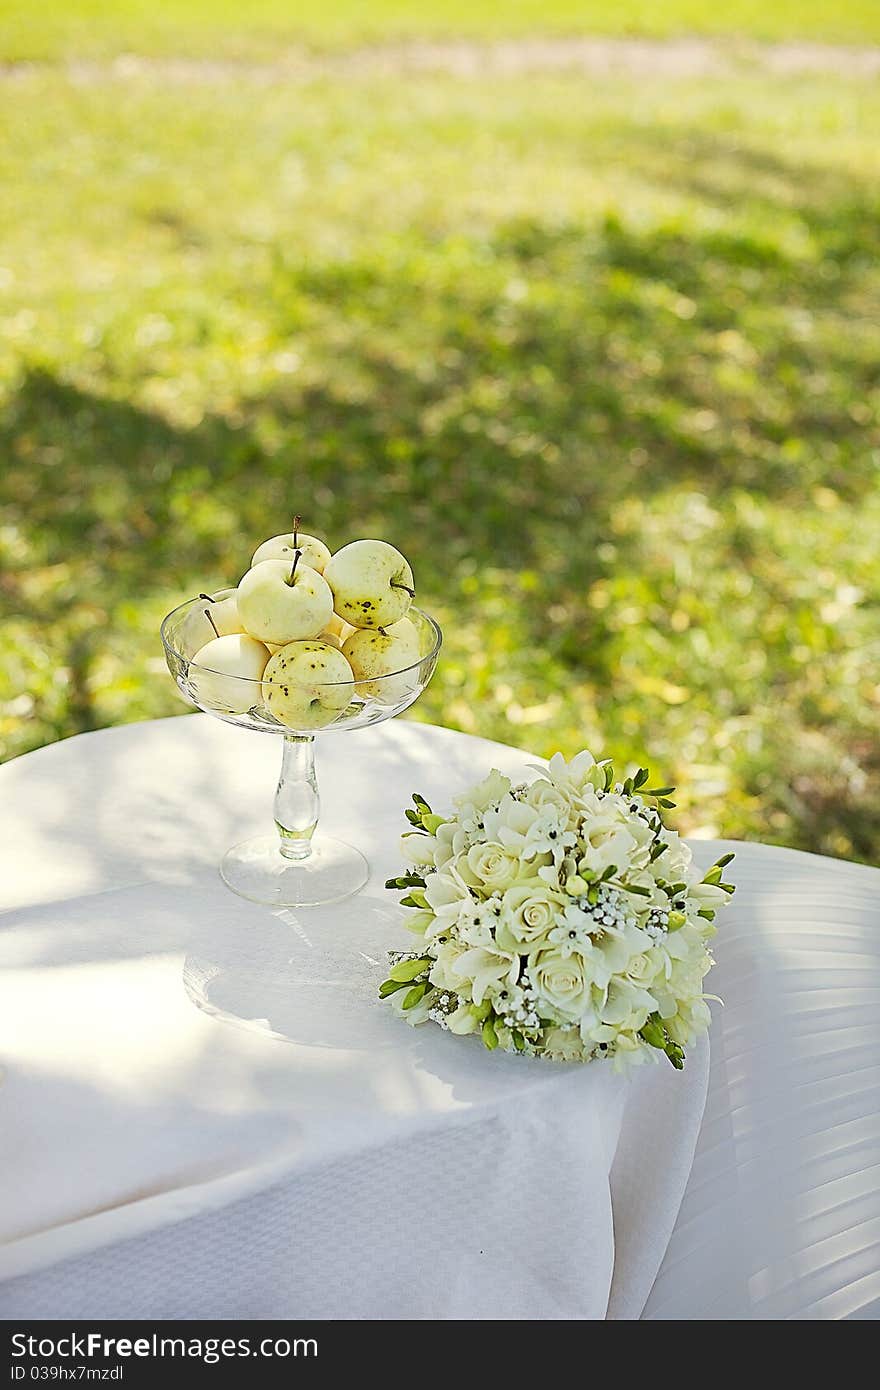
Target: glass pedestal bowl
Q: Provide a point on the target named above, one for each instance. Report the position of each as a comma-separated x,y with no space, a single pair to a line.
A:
295,867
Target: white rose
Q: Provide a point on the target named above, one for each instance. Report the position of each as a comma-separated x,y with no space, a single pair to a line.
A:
492,866
642,968
473,803
543,793
562,983
529,911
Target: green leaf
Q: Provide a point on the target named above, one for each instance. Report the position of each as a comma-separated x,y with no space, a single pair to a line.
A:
636,888
641,777
725,859
421,803
416,994
519,1041
708,913
407,970
405,881
659,791
391,987
488,1034
713,876
664,801
609,776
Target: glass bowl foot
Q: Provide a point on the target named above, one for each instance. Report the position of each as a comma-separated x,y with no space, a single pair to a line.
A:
256,869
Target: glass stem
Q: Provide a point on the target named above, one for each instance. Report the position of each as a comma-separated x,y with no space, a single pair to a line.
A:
297,804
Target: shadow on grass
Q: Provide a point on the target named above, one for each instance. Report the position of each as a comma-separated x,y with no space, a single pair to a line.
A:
496,417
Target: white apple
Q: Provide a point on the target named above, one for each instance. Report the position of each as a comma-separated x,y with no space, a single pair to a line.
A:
225,672
372,583
224,620
340,628
377,657
330,638
280,601
314,551
301,685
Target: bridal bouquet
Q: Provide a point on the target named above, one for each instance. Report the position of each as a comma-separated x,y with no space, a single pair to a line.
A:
558,918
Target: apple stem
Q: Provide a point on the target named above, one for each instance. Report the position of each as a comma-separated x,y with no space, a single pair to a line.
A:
296,521
411,592
207,598
210,619
296,559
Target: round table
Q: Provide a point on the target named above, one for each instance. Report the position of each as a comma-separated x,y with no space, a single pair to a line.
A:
110,892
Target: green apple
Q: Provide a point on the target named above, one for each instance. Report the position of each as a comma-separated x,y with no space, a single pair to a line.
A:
372,583
376,658
301,685
314,551
283,602
225,672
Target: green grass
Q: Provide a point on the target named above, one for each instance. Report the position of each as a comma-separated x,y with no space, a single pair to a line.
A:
98,28
601,358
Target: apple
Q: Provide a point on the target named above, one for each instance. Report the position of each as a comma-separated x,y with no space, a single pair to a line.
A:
314,552
283,602
374,655
301,685
372,583
340,628
225,672
224,620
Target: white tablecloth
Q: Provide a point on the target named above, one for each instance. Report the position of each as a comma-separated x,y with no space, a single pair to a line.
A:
157,1163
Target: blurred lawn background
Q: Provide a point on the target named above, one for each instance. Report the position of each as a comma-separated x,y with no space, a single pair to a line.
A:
599,352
